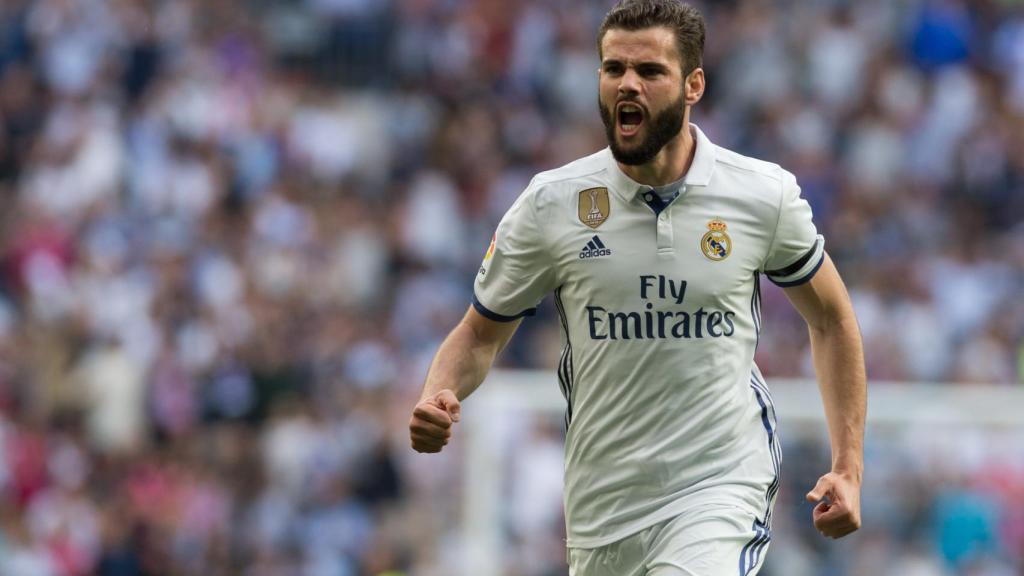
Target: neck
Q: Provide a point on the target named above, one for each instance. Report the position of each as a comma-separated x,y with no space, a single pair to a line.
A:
671,163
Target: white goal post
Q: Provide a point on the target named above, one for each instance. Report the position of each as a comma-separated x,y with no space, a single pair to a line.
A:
891,406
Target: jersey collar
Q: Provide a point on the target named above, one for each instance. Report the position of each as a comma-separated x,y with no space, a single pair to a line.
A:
699,173
703,163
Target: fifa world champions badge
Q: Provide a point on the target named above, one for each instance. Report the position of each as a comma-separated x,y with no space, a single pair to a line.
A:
594,206
716,244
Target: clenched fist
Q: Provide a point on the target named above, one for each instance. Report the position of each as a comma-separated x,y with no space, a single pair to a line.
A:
431,424
838,511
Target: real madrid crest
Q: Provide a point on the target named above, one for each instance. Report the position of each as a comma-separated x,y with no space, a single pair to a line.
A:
594,206
716,244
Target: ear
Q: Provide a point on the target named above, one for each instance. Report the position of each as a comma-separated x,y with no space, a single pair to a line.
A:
693,86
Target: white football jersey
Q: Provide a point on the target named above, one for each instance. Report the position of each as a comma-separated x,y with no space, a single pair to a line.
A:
660,309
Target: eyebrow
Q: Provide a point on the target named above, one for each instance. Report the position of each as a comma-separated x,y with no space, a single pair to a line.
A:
650,64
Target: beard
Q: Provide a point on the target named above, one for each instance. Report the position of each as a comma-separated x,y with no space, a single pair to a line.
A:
660,130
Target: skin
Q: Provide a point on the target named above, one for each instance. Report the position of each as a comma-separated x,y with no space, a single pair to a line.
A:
644,67
839,364
460,365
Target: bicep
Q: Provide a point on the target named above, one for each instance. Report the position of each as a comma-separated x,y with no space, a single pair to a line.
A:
489,332
823,300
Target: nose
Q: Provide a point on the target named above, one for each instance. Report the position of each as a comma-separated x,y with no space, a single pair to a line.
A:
629,84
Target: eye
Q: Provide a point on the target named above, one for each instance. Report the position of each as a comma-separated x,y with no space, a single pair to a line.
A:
650,71
612,68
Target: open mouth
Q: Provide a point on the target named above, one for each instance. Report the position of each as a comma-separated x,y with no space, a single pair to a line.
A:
630,116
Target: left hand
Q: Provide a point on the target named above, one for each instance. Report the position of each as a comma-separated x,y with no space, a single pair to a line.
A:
838,511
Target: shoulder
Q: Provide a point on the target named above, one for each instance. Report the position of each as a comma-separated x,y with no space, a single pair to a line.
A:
736,164
757,182
553,185
581,168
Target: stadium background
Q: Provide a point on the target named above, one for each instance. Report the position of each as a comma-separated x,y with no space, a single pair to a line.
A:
232,234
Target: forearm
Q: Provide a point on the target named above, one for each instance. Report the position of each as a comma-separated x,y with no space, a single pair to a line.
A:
461,363
839,363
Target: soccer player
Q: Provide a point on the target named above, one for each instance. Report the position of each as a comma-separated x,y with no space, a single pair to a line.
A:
653,248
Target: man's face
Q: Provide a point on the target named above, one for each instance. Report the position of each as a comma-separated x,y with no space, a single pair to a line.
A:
640,94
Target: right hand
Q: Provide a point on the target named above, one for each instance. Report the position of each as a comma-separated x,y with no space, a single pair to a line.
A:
431,424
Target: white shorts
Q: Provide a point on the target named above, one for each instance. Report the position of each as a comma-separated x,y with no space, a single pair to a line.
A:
715,542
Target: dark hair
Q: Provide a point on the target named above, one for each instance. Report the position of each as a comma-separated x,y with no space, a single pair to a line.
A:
684,20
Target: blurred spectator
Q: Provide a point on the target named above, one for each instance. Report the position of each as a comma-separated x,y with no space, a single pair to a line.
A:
234,232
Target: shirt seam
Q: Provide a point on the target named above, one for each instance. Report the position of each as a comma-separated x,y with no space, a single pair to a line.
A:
778,219
558,179
543,232
767,173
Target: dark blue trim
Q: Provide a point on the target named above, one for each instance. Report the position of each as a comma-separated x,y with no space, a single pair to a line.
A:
760,547
500,317
755,308
773,488
566,370
746,547
760,384
563,383
764,414
755,552
805,278
750,556
655,203
770,422
795,266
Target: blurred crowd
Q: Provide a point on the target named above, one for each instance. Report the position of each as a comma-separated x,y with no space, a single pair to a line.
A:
233,233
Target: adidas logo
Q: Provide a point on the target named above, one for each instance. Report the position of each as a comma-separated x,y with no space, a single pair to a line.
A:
595,249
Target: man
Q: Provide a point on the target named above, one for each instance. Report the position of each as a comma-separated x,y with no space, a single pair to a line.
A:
653,249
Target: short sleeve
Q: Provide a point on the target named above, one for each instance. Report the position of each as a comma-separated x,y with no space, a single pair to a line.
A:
517,271
797,250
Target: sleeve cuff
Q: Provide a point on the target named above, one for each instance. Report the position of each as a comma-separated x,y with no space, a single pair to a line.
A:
490,315
803,269
803,277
